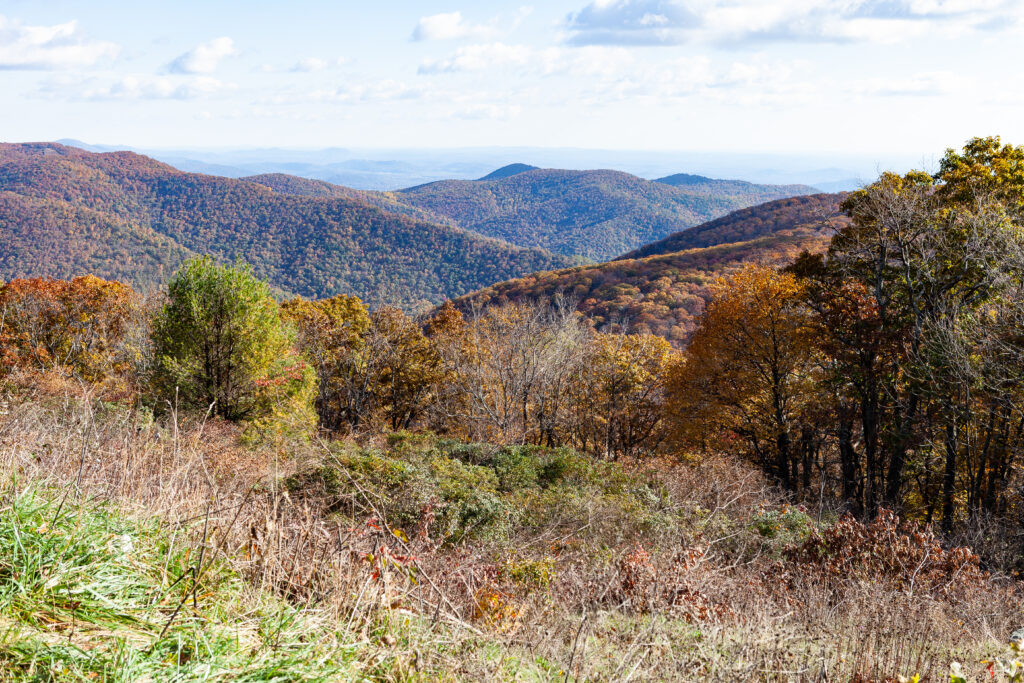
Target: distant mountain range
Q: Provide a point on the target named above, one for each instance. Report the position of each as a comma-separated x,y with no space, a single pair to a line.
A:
663,288
64,211
592,214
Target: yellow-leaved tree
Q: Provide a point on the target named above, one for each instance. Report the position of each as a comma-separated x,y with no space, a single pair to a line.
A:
617,400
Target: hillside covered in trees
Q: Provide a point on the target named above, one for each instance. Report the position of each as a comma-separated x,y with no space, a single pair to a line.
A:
311,187
67,212
757,193
663,288
595,214
811,212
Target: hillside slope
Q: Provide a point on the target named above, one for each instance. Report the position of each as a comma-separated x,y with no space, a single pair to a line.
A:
591,214
124,215
310,187
665,293
52,237
809,211
716,186
508,171
594,214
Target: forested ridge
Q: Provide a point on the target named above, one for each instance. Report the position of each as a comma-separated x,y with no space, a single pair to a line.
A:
62,239
814,212
155,215
699,184
663,288
596,214
310,187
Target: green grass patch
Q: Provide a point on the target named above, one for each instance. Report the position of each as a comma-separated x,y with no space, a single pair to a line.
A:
87,594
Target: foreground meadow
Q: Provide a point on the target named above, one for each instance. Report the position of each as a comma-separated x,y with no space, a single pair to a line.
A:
137,548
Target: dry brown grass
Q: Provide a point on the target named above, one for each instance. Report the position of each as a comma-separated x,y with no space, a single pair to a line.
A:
696,602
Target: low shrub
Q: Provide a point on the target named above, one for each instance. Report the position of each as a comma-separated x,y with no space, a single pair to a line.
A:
903,553
531,574
479,491
783,526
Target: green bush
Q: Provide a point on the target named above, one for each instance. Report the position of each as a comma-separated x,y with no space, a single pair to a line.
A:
473,453
569,466
516,468
470,501
483,492
531,574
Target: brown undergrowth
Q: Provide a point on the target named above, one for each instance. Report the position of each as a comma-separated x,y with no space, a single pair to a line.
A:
572,571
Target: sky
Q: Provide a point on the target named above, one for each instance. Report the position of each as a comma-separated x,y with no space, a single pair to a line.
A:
850,76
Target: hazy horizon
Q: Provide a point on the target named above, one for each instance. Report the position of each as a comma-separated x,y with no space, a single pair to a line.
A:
382,168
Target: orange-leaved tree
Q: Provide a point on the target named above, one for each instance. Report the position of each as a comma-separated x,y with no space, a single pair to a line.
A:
82,326
747,375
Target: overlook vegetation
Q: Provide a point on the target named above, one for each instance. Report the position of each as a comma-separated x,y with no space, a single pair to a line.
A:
201,483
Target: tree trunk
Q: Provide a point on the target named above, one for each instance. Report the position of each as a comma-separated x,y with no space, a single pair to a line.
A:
848,464
949,479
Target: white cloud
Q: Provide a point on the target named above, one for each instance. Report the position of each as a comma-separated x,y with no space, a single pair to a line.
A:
311,64
134,87
477,57
606,62
379,91
448,26
585,62
203,58
878,21
156,88
740,23
305,65
488,112
597,74
61,46
631,22
929,84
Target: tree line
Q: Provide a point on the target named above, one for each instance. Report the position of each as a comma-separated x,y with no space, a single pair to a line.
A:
886,371
216,341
